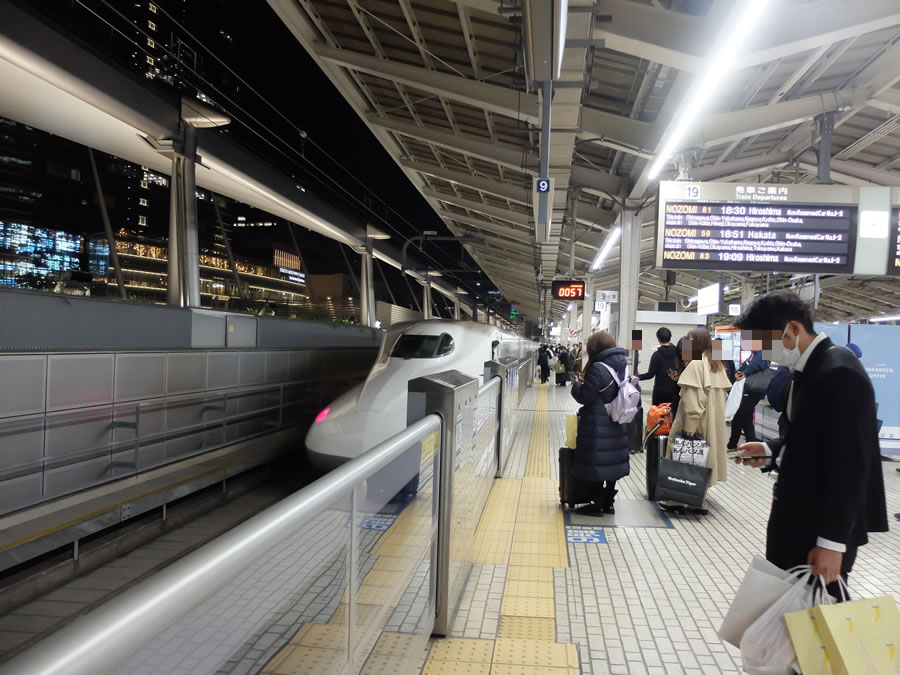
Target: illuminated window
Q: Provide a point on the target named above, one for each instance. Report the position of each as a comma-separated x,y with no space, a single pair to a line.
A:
144,184
142,220
151,42
150,60
151,25
142,201
151,7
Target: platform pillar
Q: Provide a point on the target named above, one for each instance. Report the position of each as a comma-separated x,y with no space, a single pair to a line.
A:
184,245
367,286
427,311
630,266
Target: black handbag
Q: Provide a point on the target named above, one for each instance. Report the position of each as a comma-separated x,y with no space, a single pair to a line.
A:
683,483
758,383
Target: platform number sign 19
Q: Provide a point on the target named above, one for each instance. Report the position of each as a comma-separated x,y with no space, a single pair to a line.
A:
543,185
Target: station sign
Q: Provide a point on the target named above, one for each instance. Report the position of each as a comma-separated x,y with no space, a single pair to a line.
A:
893,266
734,310
606,296
568,289
755,227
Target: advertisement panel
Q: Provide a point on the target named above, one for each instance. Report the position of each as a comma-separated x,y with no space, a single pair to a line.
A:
882,362
838,332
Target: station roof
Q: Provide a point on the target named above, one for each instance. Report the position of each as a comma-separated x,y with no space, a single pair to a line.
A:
444,87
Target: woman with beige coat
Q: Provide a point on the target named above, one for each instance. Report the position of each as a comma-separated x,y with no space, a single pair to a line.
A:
704,388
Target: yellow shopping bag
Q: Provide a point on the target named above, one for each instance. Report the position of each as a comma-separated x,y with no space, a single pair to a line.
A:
861,637
807,641
571,430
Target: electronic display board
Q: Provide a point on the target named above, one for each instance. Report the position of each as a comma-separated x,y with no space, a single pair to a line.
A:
568,289
768,228
893,266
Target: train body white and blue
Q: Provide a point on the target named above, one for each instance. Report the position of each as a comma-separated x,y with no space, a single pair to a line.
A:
375,409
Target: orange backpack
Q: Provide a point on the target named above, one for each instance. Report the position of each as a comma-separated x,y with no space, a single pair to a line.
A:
660,415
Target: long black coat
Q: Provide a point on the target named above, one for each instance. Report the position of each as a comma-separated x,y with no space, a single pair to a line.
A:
830,482
601,448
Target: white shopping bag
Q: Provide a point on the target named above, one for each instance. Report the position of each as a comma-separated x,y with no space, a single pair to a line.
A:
734,400
766,646
763,584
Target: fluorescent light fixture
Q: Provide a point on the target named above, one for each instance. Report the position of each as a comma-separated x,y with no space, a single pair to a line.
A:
726,289
569,308
693,298
877,319
611,240
719,62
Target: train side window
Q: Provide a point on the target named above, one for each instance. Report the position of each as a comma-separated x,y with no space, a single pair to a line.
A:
446,344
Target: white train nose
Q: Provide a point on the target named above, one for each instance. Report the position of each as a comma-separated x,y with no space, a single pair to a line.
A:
337,438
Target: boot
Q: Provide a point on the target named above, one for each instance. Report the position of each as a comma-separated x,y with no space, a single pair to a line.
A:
609,498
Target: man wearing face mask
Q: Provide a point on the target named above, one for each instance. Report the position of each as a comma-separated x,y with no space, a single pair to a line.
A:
830,490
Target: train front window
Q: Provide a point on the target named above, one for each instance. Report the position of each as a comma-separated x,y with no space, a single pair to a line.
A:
446,345
416,347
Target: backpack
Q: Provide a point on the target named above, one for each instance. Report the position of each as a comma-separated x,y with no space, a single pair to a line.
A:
624,406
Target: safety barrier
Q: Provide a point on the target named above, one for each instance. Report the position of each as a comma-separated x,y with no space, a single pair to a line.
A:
369,560
72,421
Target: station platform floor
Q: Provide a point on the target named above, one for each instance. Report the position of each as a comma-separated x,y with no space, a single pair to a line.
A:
639,592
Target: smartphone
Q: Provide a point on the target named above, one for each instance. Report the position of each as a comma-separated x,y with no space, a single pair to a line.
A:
742,458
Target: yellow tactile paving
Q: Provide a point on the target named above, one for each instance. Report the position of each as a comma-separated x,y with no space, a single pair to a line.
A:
537,607
528,589
389,563
456,668
536,653
323,636
527,628
383,664
537,560
307,661
394,644
538,463
460,650
508,669
380,578
520,573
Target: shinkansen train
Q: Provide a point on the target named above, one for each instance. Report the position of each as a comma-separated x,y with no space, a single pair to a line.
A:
375,410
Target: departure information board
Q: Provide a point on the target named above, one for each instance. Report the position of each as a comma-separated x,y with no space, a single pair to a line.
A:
893,266
756,228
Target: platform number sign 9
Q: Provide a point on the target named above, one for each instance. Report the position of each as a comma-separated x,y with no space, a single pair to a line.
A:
543,185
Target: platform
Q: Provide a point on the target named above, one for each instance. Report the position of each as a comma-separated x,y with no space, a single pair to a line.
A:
556,593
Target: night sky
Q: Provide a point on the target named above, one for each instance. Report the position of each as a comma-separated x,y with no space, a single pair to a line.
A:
258,46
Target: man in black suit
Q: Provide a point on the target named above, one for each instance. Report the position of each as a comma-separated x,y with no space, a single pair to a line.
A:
830,489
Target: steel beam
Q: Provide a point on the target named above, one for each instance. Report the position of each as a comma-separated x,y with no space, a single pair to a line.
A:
670,38
521,219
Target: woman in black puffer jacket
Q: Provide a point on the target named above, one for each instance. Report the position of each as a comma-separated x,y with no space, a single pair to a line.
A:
601,447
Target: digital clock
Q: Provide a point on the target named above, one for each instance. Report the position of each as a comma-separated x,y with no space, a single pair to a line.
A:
568,289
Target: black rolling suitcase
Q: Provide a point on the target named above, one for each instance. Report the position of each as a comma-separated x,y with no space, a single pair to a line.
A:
635,430
571,490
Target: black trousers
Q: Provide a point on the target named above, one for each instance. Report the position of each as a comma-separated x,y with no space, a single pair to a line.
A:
743,420
662,397
545,373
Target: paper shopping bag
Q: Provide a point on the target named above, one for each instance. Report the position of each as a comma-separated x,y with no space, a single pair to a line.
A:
763,584
571,430
861,637
808,644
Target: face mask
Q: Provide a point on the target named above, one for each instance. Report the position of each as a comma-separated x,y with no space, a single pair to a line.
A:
790,357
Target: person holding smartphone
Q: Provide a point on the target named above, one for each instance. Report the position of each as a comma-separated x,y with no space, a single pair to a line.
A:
830,490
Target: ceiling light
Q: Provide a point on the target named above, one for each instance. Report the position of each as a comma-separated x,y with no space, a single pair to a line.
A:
693,298
720,61
726,289
569,308
877,319
611,239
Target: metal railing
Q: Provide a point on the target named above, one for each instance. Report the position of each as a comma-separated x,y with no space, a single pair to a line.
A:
112,634
380,545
